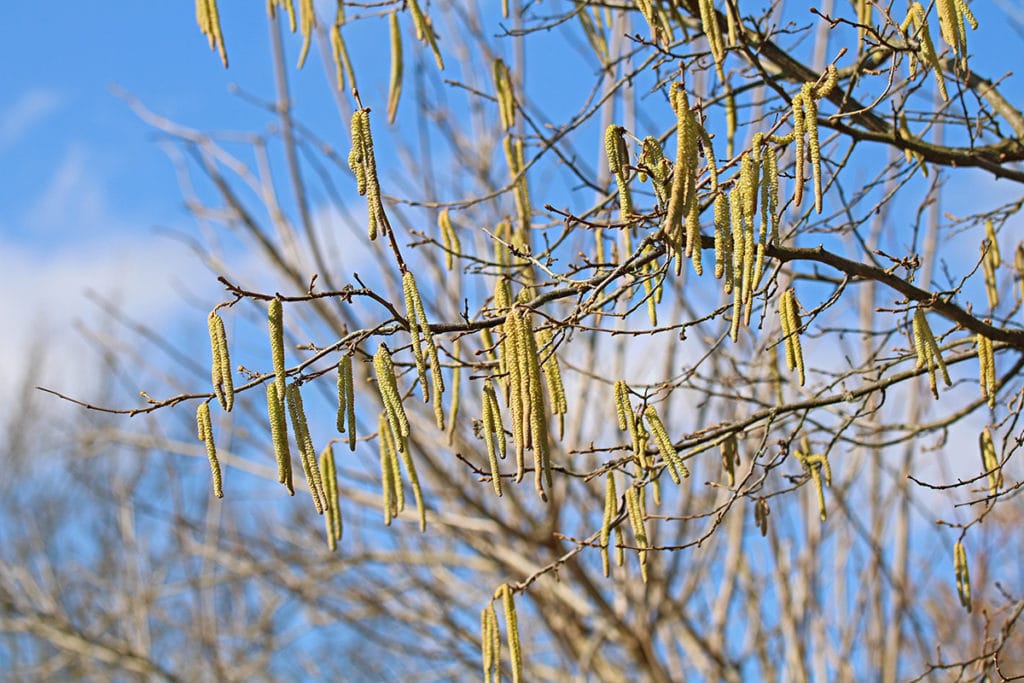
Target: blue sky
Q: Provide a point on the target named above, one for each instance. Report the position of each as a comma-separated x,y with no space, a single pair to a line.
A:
87,189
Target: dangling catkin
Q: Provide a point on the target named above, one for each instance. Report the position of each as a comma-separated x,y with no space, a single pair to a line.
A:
307,23
332,518
395,81
611,504
503,88
552,377
789,315
339,52
951,24
512,629
276,324
490,644
987,369
279,435
220,367
963,576
916,16
990,260
387,385
494,433
208,18
205,430
346,419
674,464
761,512
730,457
425,31
928,352
990,461
304,443
636,520
449,237
363,163
388,464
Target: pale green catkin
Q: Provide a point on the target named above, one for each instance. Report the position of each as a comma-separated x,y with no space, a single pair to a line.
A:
332,518
303,441
275,322
346,419
387,385
205,431
220,366
512,628
279,435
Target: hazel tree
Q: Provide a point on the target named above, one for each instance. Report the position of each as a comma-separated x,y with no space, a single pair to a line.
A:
676,322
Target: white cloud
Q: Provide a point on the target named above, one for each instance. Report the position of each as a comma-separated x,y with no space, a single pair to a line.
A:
71,240
27,111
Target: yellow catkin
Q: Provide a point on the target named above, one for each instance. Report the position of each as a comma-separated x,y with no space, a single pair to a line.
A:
533,402
990,260
618,164
512,629
418,324
552,377
503,88
307,24
734,276
709,24
289,8
411,296
275,323
1018,265
332,516
205,431
916,16
986,369
304,443
387,385
220,367
654,163
425,31
730,457
723,235
449,237
208,18
346,420
684,178
388,461
636,520
279,435
928,353
363,163
951,24
611,505
990,461
789,315
624,413
515,159
339,52
963,576
490,644
395,80
676,469
453,409
761,512
493,432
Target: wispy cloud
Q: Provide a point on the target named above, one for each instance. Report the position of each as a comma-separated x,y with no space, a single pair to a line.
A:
27,111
